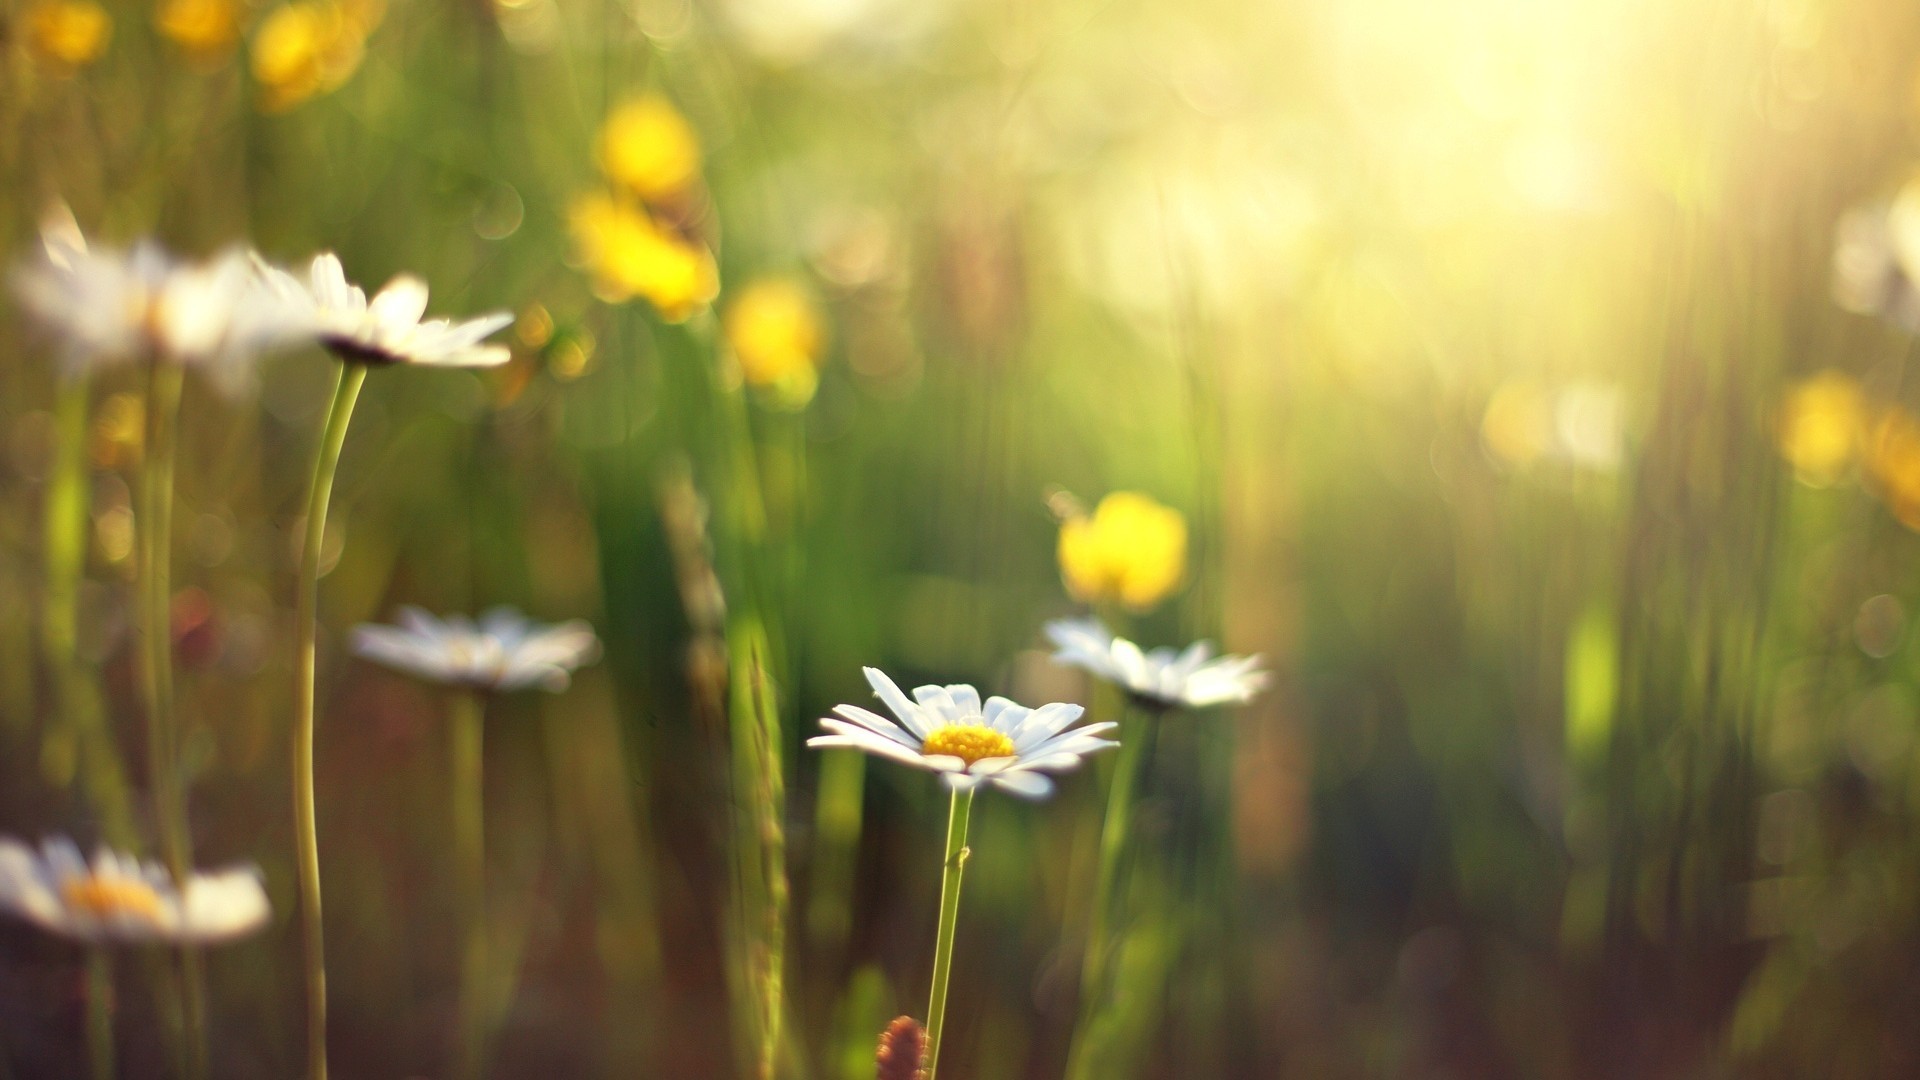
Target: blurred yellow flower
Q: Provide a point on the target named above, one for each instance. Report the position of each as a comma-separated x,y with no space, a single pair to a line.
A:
1518,424
648,147
777,337
310,47
1132,550
205,29
72,33
1822,423
628,256
1893,460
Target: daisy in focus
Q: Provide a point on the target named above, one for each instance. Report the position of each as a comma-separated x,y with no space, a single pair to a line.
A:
947,730
1161,678
118,898
503,651
107,306
387,329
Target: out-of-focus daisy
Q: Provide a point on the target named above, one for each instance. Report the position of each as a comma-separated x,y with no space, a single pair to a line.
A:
119,898
109,305
777,336
504,651
947,730
630,255
649,148
1132,550
1159,678
1579,423
1876,255
387,329
68,33
310,47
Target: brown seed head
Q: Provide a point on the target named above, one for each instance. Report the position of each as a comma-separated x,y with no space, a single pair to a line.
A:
903,1050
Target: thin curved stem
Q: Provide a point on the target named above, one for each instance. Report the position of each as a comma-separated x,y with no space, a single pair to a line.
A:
156,594
102,774
952,868
306,831
166,381
1107,899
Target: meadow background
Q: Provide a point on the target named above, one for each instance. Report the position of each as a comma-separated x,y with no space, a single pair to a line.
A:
1473,340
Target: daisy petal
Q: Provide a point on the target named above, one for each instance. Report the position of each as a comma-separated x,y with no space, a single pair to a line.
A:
1027,785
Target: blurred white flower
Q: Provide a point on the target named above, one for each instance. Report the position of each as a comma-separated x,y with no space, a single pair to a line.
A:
788,32
119,898
387,329
505,651
945,729
1874,257
1581,424
1160,678
108,306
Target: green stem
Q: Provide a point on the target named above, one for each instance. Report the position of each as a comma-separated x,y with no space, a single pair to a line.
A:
756,654
68,504
100,1012
760,855
156,595
952,868
306,830
1108,895
469,845
166,380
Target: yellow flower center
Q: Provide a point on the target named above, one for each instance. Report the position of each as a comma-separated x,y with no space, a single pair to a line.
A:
968,742
105,898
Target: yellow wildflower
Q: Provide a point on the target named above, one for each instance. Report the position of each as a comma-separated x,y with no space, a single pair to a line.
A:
205,29
777,336
309,47
1132,550
71,33
648,147
1893,459
1821,426
1518,424
628,256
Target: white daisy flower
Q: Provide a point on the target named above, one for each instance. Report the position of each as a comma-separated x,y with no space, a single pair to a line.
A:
387,329
1874,256
110,306
1160,678
945,729
118,898
505,651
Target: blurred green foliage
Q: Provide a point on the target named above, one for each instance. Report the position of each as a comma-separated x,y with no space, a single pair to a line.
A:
1458,332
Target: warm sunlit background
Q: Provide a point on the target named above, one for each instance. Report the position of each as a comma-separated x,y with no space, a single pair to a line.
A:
1530,377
